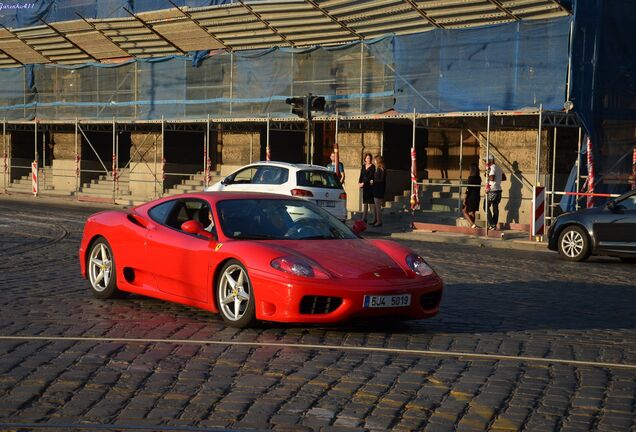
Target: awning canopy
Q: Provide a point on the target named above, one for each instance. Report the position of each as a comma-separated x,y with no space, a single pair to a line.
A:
253,24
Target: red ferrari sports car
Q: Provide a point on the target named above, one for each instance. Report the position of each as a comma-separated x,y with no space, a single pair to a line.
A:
254,256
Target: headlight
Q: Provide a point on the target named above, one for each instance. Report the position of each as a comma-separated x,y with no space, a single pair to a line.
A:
418,265
298,267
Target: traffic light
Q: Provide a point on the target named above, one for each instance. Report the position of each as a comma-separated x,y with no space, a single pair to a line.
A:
317,103
302,106
297,105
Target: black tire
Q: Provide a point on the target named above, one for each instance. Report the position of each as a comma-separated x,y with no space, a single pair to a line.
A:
574,244
106,286
629,260
236,315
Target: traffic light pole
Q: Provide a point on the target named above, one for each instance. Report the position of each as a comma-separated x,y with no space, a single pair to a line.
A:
308,135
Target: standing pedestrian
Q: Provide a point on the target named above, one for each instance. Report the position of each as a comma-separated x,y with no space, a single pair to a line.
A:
493,189
379,187
471,199
331,166
365,182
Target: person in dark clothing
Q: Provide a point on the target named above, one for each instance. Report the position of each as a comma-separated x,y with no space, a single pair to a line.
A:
379,187
471,200
364,181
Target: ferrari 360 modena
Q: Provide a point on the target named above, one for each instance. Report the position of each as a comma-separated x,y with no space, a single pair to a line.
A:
255,257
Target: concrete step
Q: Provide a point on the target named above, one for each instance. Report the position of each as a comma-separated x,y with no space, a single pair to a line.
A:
194,182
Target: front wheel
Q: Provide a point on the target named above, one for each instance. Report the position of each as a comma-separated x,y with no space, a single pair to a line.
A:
101,270
235,295
574,244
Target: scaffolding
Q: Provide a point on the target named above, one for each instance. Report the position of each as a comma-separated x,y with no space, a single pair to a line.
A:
150,151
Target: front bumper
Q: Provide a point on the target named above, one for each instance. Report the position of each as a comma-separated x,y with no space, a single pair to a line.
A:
280,300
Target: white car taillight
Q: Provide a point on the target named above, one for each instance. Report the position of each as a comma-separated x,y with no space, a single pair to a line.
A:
301,193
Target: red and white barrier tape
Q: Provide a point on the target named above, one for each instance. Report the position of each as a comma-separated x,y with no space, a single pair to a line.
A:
538,204
34,177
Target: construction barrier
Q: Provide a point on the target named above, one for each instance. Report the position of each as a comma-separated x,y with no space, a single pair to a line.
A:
34,177
538,204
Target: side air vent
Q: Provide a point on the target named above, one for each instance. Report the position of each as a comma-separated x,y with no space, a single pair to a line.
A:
319,304
135,220
129,274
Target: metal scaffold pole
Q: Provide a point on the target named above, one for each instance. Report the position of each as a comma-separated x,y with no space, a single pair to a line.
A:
5,153
538,161
37,179
552,195
77,162
113,167
206,154
163,156
461,156
414,188
268,154
487,170
43,159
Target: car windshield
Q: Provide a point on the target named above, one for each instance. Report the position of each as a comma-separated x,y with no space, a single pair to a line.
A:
317,179
278,219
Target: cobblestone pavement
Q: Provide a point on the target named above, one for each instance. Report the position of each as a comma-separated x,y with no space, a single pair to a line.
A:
557,339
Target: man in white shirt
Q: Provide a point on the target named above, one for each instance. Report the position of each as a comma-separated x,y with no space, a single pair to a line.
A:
493,189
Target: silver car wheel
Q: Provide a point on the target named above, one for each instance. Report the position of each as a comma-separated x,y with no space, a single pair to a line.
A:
234,292
100,267
572,243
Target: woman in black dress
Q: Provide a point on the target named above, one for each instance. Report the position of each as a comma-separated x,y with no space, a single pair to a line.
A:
379,187
364,181
471,200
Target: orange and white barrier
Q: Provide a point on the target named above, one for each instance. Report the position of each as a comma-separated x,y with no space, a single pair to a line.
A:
415,202
34,177
538,204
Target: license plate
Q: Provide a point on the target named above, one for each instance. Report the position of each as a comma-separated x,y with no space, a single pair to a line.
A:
323,203
387,301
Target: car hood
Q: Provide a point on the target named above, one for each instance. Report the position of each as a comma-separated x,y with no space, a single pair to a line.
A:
580,213
350,258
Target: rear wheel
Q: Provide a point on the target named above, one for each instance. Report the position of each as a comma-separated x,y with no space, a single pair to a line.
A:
235,295
101,270
574,244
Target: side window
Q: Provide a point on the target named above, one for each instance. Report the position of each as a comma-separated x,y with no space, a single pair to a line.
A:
244,176
628,203
188,209
160,212
271,175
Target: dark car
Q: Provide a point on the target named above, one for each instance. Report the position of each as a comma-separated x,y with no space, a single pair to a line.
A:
607,230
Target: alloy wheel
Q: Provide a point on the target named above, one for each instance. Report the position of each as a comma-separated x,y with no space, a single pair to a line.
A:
100,267
572,244
234,292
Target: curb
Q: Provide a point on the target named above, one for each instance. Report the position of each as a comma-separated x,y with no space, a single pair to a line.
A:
453,238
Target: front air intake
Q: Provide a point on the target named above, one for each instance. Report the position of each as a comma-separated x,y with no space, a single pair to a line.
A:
312,305
431,300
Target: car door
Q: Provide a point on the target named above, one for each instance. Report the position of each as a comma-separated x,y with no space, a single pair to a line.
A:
181,261
242,180
615,229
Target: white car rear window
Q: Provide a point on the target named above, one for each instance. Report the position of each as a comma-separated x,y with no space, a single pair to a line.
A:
317,179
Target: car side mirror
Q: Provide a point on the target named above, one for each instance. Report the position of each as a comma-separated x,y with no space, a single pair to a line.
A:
359,227
195,227
226,181
611,205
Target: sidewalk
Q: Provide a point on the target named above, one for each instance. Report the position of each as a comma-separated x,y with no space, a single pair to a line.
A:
397,226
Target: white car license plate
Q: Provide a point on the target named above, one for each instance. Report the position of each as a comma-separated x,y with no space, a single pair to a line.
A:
387,301
323,203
